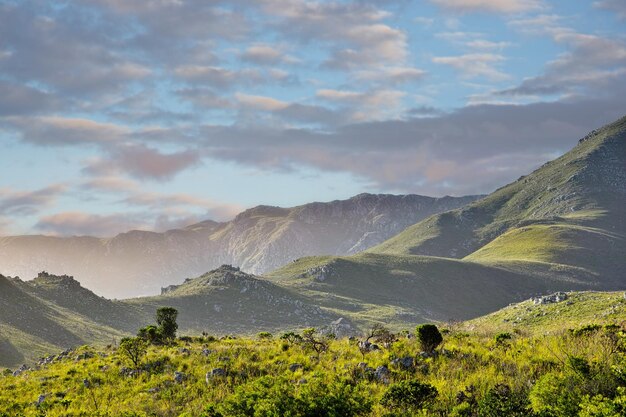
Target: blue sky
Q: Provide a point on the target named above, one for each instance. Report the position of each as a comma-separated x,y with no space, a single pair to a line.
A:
155,114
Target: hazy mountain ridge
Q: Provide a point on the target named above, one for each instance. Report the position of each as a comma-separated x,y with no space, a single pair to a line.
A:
259,240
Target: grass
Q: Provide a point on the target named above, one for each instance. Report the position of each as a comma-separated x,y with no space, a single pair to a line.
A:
580,309
259,375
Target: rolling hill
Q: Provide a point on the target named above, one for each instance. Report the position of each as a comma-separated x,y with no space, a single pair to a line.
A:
258,240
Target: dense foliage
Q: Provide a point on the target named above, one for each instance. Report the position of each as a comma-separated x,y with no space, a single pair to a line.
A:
573,373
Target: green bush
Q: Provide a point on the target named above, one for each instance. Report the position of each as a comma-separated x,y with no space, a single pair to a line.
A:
408,396
502,401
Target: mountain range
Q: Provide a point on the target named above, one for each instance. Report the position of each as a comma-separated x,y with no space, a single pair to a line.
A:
559,228
258,240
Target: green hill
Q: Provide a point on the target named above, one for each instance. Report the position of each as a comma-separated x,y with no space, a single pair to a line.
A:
538,316
583,192
31,327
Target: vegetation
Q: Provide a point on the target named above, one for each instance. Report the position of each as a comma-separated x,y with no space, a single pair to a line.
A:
574,372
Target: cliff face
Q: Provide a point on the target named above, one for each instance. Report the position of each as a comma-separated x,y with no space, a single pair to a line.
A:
258,240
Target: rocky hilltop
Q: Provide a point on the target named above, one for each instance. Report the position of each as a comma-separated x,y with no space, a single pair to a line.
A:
257,240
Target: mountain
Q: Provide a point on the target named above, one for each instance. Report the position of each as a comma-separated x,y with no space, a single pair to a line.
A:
258,240
569,212
560,228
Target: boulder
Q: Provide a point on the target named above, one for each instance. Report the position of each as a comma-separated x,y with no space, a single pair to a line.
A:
403,363
382,374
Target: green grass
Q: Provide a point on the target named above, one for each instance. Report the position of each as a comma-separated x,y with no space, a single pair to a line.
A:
258,375
580,309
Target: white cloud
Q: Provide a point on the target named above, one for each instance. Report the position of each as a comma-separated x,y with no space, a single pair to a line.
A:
475,65
260,102
498,6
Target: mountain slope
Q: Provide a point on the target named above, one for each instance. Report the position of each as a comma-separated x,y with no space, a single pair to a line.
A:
31,327
573,207
258,240
560,228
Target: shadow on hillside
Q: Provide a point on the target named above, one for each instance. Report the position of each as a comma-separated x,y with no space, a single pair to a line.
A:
9,355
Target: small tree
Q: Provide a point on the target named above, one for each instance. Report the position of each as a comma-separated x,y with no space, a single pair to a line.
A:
311,341
408,396
134,348
166,320
429,337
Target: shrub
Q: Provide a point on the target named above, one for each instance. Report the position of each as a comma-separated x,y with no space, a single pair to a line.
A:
428,336
556,395
264,336
501,401
502,338
150,334
408,396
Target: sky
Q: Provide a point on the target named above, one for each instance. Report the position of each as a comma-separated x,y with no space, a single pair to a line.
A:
155,114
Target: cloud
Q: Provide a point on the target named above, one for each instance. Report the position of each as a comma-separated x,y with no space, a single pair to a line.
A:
24,203
497,6
475,65
143,162
76,223
353,32
262,54
471,150
16,99
65,52
63,131
181,204
618,6
217,77
392,75
366,106
591,65
260,102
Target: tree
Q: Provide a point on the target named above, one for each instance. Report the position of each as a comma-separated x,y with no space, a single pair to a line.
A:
429,337
166,320
134,348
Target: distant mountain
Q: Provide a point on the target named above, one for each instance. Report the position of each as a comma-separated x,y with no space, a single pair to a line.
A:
258,240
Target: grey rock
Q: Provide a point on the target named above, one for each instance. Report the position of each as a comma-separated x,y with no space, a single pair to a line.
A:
403,363
556,297
179,377
382,374
294,367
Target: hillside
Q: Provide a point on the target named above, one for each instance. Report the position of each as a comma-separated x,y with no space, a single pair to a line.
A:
554,313
472,371
258,240
569,211
31,327
560,228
